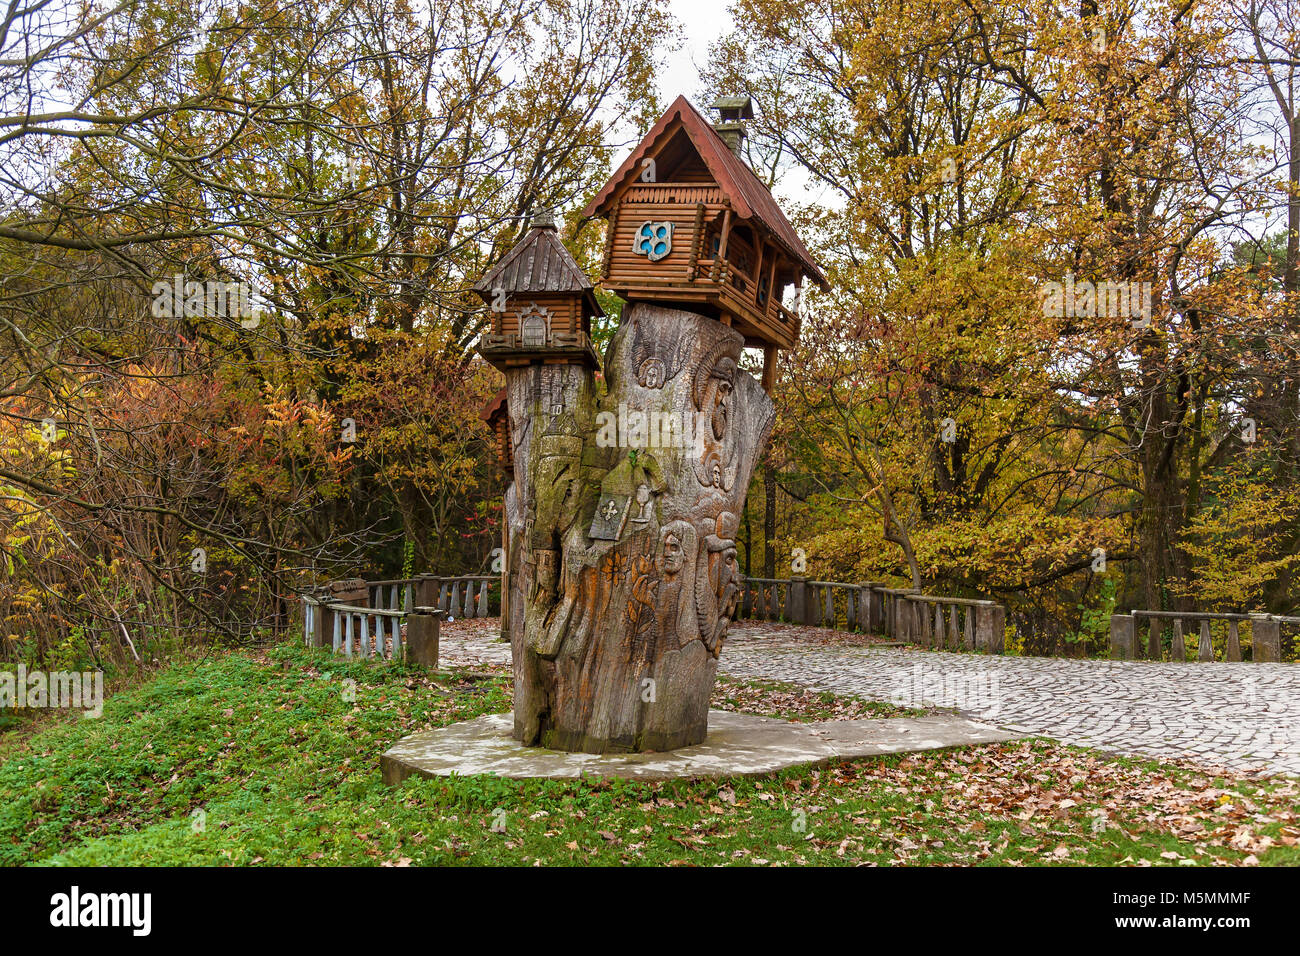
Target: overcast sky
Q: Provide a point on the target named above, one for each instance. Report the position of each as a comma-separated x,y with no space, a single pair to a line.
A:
703,21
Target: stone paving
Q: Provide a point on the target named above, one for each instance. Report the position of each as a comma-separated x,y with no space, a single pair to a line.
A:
738,745
1242,716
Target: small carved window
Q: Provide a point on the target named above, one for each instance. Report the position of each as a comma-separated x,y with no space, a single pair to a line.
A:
534,327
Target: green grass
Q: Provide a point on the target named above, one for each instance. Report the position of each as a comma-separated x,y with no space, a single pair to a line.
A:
285,769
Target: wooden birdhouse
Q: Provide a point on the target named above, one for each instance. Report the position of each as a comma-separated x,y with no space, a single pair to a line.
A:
690,224
497,415
541,304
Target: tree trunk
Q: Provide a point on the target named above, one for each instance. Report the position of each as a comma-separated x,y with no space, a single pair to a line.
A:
623,518
769,522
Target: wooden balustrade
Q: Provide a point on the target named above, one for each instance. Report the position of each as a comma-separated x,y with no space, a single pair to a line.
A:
369,619
334,617
352,628
377,618
469,596
902,614
1265,636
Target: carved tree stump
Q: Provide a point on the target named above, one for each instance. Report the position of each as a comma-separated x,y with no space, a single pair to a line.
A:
623,517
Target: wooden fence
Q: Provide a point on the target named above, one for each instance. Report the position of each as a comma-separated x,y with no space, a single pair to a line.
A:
374,618
465,595
378,618
903,614
1265,641
347,628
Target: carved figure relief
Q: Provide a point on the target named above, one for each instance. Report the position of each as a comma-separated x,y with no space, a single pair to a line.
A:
631,570
711,392
678,553
658,359
717,583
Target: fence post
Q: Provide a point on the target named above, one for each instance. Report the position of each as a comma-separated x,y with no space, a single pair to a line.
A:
869,610
422,636
812,605
1205,648
909,617
901,611
1233,651
990,627
798,609
426,594
1155,638
1123,637
321,622
1266,639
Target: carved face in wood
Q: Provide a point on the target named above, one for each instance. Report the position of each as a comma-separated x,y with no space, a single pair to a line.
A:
652,373
722,378
672,553
718,581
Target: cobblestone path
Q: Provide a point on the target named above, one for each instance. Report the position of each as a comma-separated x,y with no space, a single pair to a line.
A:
1242,716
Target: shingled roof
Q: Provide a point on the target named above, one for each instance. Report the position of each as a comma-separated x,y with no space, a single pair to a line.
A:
497,404
750,198
538,263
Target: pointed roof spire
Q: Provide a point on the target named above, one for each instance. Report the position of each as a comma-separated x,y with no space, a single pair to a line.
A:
538,263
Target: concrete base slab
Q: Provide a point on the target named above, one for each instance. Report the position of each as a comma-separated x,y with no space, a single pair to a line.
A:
738,745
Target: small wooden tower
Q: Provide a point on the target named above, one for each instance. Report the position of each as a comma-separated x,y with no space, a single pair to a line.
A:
497,415
541,303
690,223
